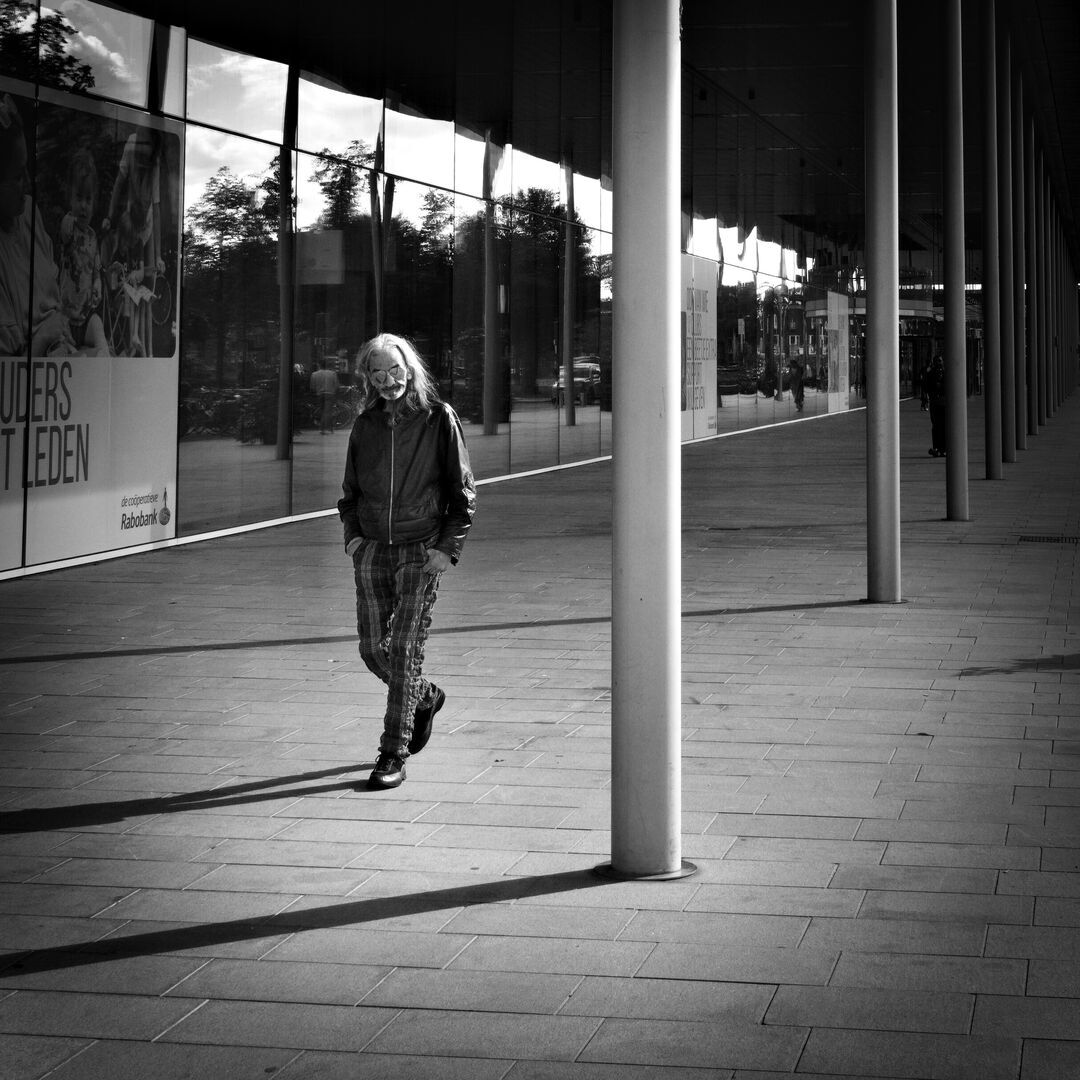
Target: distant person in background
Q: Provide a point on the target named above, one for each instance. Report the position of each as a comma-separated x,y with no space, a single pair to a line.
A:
938,404
324,385
796,372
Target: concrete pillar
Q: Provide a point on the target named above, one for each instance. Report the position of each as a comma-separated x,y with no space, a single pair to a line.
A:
882,307
1005,226
1040,273
956,461
646,693
1020,403
1046,358
991,291
1031,266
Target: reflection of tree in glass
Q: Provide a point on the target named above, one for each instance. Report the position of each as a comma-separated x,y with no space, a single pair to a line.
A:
230,290
36,47
437,225
343,179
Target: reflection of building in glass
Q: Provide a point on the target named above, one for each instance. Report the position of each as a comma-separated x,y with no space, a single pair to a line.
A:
448,176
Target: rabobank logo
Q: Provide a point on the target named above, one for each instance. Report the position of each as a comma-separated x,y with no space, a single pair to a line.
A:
143,510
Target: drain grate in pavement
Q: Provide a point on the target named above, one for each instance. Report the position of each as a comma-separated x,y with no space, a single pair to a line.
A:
1050,539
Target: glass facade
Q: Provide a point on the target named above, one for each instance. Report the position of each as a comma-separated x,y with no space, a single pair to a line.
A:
276,218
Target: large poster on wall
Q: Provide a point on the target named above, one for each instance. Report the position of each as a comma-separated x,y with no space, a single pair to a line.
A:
699,281
88,329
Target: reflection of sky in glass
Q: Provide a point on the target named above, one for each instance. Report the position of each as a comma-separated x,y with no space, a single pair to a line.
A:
420,148
235,91
114,43
330,119
207,150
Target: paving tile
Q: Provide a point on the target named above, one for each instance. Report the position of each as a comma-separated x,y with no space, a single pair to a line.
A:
89,1015
327,1065
129,873
669,999
915,1055
1027,1017
736,963
937,906
717,928
472,1034
870,1008
777,900
962,855
109,1059
1053,978
948,974
370,947
1034,942
299,1025
896,935
279,980
141,975
1048,1058
585,1070
698,1045
475,991
27,1057
531,920
552,956
52,932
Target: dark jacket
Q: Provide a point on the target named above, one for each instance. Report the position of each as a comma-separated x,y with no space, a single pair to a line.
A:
408,482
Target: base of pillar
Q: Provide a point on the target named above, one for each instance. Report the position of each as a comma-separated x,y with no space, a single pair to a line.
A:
606,870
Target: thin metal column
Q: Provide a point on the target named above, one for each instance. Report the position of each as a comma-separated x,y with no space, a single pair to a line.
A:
1047,359
956,460
1031,262
646,789
991,268
1040,273
882,308
1019,264
1005,269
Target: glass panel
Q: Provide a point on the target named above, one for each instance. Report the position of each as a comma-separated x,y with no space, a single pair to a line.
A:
230,469
235,91
536,241
580,413
334,315
334,121
473,157
105,51
174,100
479,360
420,148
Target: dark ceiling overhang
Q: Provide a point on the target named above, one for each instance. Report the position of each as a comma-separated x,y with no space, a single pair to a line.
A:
797,65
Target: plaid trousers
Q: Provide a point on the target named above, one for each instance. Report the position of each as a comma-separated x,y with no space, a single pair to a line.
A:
394,598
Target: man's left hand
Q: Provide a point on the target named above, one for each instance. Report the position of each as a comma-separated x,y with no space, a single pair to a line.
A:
437,562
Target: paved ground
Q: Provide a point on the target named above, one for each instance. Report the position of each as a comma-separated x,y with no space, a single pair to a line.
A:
882,800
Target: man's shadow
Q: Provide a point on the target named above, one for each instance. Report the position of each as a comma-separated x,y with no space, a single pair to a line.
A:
86,815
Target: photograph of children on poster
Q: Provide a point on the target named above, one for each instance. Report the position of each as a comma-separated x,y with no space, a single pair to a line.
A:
89,244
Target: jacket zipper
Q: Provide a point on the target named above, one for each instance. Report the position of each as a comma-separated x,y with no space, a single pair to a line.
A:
390,516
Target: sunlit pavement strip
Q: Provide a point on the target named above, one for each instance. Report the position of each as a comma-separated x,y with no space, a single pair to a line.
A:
882,800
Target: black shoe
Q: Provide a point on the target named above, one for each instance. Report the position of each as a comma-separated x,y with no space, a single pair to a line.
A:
422,720
389,772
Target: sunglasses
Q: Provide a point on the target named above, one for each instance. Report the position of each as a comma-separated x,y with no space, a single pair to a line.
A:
384,379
